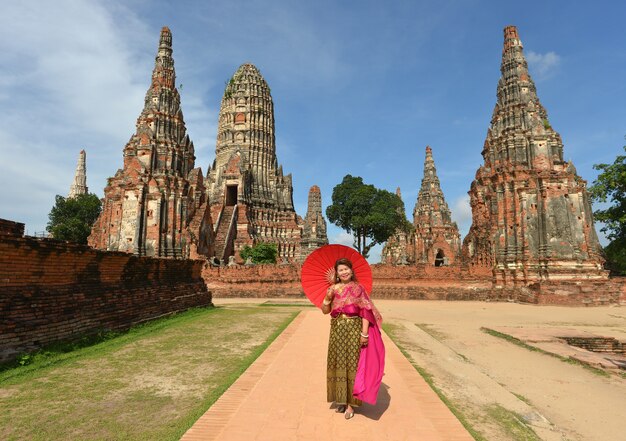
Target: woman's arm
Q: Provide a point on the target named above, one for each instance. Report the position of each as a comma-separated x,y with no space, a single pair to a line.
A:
365,331
328,299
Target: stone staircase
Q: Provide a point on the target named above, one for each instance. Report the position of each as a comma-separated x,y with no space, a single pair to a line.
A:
222,236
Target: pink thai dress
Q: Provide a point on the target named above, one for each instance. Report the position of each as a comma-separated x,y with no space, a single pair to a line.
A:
354,373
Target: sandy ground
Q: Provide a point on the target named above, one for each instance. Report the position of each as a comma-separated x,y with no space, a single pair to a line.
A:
559,400
477,371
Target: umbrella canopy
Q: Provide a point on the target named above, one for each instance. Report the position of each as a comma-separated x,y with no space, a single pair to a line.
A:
318,270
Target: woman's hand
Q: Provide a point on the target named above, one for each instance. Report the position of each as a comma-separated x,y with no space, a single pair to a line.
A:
328,299
364,341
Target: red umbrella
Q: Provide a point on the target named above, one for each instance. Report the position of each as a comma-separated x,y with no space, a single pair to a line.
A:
318,270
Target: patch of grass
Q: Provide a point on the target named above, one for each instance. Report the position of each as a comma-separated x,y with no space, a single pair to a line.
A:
518,342
60,352
298,304
440,337
151,383
393,332
522,398
428,329
512,423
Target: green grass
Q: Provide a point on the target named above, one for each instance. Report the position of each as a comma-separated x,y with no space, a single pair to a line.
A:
151,383
522,398
294,304
518,342
392,332
512,423
428,329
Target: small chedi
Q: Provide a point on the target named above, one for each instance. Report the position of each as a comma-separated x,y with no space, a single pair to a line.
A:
436,239
156,205
79,186
314,229
251,199
531,214
399,246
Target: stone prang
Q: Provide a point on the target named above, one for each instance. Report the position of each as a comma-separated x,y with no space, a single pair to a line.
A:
156,205
314,229
251,199
531,214
79,186
437,238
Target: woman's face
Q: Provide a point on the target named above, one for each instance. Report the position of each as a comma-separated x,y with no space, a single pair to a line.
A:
344,272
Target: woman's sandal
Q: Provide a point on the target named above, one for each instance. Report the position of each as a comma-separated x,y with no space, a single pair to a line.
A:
350,414
340,409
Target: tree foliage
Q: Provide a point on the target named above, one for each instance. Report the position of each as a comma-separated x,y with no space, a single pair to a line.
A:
366,212
262,252
610,187
72,218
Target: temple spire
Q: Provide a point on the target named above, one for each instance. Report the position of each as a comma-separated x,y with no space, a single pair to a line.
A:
531,215
314,228
431,206
79,186
158,197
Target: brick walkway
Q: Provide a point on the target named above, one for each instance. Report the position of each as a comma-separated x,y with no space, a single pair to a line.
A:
282,396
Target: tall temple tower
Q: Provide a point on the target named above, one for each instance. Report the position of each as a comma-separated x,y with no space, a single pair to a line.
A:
531,214
314,229
437,238
398,249
251,200
156,205
79,186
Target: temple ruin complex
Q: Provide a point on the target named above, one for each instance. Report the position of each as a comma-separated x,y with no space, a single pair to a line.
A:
156,205
251,199
531,213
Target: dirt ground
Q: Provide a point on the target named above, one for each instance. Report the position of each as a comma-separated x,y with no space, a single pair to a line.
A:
495,383
479,372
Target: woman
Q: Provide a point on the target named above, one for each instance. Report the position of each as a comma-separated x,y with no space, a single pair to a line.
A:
356,355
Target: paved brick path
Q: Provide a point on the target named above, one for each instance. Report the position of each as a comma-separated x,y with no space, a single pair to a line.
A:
282,396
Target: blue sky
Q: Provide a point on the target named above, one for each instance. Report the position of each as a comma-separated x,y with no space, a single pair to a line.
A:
359,87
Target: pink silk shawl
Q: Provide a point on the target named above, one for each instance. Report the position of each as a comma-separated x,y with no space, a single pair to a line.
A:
353,300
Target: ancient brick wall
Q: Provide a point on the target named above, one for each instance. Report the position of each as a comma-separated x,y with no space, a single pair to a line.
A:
581,293
390,282
417,282
52,291
11,228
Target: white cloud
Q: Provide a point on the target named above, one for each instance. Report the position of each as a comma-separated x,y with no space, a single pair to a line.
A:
70,78
462,214
543,65
343,238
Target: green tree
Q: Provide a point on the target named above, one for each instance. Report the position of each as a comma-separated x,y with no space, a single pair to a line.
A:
262,252
366,212
610,186
72,218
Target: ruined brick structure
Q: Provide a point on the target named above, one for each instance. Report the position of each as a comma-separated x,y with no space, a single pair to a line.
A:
531,214
79,186
314,229
156,205
436,239
400,246
251,200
